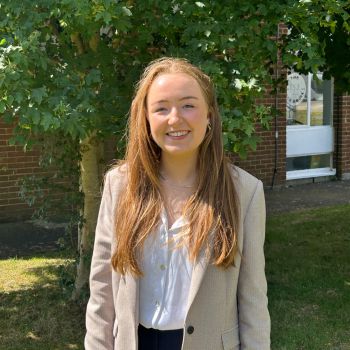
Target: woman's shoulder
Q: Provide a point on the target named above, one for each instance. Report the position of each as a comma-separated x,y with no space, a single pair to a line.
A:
115,180
245,184
242,178
117,173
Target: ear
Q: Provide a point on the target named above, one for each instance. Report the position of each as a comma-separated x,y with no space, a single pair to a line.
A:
209,118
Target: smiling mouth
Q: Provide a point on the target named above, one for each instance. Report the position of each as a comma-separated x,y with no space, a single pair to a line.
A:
178,133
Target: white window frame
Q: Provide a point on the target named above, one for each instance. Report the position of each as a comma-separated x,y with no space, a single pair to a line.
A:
294,130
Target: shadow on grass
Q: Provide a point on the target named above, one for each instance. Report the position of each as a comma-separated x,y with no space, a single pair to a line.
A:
41,317
26,239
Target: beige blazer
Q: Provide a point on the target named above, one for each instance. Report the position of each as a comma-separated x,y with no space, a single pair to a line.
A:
227,308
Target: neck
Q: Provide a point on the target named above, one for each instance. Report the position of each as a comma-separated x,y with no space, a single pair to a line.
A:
179,170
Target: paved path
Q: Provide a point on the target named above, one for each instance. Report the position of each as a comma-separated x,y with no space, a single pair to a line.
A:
311,195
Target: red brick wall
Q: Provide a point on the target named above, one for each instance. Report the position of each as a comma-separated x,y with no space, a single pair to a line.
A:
14,164
342,136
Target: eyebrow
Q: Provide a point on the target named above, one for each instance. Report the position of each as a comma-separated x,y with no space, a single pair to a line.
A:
181,99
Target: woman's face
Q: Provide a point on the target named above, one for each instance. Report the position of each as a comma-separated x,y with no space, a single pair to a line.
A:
177,114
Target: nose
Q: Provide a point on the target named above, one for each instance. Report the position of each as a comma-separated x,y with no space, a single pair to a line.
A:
174,116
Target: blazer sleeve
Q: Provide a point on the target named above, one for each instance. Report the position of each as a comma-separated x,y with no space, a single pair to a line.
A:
100,313
254,319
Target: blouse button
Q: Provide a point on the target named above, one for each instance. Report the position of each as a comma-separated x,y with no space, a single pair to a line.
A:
162,267
190,329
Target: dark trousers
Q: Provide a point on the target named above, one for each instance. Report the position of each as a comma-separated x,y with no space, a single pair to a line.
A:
154,339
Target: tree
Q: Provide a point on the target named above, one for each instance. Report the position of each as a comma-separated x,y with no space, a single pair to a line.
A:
55,81
319,39
68,68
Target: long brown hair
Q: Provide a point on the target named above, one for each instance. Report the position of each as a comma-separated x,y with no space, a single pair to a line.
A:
212,211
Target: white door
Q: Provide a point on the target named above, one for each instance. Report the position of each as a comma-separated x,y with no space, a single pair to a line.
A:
310,134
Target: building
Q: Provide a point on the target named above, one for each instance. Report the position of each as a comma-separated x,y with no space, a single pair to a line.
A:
309,140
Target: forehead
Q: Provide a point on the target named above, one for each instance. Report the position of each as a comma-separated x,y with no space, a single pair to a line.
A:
174,85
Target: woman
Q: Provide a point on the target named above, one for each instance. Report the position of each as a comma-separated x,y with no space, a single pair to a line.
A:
178,260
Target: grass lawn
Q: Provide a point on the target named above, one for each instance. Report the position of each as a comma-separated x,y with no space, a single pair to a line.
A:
308,272
34,312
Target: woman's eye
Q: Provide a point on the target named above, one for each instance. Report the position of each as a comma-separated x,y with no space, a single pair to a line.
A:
188,106
160,109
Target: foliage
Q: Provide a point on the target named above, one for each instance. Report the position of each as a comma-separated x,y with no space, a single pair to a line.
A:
319,39
71,66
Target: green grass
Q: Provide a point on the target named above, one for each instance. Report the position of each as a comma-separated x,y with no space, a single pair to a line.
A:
35,313
308,272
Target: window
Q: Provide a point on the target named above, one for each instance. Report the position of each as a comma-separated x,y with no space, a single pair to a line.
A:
315,161
309,100
310,135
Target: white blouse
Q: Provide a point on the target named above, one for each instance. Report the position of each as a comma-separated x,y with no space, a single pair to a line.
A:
165,286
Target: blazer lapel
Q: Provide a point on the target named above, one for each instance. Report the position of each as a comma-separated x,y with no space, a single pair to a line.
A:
198,272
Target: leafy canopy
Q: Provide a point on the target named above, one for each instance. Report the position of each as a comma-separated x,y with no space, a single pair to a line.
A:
71,66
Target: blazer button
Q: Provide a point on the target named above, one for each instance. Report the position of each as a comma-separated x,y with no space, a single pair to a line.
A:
190,329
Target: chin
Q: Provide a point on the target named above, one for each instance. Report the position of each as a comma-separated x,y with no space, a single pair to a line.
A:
178,152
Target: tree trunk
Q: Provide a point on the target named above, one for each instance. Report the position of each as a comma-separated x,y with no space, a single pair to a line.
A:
91,175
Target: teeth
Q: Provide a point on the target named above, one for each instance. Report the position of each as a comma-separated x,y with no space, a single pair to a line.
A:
177,133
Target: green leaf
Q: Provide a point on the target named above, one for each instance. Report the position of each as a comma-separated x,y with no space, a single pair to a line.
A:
46,120
34,114
3,42
94,76
199,4
10,100
17,139
126,11
251,142
225,139
107,17
38,94
237,112
18,97
2,107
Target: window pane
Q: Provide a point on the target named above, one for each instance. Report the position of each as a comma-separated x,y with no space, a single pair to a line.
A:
309,162
297,99
321,101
